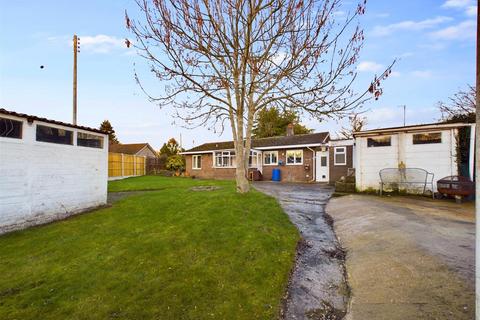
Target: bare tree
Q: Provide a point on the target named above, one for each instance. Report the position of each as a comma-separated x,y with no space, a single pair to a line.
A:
221,61
461,105
356,122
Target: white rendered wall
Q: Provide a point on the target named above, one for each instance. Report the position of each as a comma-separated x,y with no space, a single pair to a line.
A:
437,158
41,182
369,161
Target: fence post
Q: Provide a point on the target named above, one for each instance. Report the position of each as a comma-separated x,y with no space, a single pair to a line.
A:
122,166
134,165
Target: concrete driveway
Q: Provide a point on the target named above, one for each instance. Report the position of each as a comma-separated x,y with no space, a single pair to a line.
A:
318,289
407,257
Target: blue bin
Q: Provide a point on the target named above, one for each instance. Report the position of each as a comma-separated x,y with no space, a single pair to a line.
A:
276,175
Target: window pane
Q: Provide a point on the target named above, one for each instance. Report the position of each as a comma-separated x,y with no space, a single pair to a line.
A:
340,158
266,158
10,128
426,138
298,156
274,157
323,161
290,157
379,141
54,135
89,140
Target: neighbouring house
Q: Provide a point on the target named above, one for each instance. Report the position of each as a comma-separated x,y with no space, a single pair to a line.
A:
435,148
300,158
49,169
136,149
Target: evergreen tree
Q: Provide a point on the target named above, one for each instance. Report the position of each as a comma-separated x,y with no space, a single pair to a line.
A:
270,122
107,127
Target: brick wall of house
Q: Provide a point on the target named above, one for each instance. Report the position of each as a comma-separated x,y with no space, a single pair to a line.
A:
208,171
289,173
292,173
337,171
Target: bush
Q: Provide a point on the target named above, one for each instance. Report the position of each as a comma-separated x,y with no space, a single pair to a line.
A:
176,163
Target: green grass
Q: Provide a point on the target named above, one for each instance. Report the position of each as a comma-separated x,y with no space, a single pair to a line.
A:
159,183
166,254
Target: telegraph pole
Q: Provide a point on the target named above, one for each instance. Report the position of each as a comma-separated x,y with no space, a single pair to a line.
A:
75,51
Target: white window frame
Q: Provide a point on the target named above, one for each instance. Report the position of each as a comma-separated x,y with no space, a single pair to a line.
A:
335,152
269,153
253,155
195,162
294,158
224,153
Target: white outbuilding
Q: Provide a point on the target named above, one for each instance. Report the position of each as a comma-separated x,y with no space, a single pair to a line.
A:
48,170
432,147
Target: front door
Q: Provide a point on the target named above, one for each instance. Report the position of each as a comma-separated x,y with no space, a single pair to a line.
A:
322,166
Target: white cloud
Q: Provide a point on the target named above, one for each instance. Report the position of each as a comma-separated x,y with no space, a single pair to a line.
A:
101,43
409,25
395,74
468,6
471,11
462,31
456,3
424,74
369,66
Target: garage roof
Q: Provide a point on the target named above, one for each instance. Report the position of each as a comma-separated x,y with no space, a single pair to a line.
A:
35,118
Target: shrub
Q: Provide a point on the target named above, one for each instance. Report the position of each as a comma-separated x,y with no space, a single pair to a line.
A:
176,163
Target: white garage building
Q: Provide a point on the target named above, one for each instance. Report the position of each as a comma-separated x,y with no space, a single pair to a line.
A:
432,147
48,170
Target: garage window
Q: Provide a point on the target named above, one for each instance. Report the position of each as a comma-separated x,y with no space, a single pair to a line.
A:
10,128
89,140
54,135
427,138
384,141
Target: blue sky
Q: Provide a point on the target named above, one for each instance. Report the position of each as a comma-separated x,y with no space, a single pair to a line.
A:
435,41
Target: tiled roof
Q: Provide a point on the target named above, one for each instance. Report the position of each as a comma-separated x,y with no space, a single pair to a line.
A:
32,118
300,139
130,148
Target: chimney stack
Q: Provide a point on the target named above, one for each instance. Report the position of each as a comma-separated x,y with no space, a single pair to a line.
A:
290,130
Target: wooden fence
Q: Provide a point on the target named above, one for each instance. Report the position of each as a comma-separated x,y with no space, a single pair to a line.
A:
122,165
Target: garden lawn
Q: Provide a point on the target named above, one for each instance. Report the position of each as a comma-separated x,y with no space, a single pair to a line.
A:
166,254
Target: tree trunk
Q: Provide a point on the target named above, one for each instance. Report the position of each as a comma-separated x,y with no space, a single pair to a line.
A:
243,186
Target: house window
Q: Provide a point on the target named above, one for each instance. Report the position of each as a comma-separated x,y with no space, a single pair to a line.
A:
10,128
295,157
197,162
340,156
89,140
225,159
384,141
54,135
270,158
253,159
427,138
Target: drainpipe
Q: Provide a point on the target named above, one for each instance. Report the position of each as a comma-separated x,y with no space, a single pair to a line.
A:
314,164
